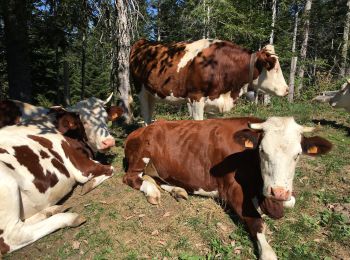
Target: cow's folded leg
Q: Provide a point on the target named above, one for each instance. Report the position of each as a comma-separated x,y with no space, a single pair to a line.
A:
22,233
176,192
46,213
290,203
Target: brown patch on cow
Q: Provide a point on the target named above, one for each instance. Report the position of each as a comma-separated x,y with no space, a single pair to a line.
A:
3,150
26,157
9,113
4,248
74,150
1,231
47,144
42,141
9,166
60,167
44,154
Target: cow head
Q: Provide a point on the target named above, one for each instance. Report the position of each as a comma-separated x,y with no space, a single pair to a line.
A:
280,142
342,98
94,117
270,79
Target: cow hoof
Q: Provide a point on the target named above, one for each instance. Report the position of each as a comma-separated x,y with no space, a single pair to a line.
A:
153,200
78,221
179,193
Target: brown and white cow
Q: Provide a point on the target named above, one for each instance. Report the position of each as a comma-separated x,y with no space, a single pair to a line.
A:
40,163
203,73
342,97
244,161
92,113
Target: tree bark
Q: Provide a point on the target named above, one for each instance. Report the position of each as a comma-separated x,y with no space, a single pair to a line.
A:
293,64
83,62
122,57
344,52
17,49
304,45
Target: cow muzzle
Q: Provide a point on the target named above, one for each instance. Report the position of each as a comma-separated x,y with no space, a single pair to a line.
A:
280,194
107,144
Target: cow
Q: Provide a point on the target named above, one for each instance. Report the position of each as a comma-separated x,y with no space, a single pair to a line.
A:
342,97
203,73
92,113
41,160
246,162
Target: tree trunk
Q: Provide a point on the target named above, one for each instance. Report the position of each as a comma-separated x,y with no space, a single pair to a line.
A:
267,98
293,65
66,87
344,52
17,50
303,49
122,57
83,61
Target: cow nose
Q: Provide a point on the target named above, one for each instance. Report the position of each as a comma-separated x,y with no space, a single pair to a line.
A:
107,143
280,193
287,91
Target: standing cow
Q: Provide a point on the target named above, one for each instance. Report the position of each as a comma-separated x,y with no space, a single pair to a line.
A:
342,97
41,160
203,73
244,161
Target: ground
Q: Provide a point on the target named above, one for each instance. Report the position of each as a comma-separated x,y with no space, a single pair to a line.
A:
121,224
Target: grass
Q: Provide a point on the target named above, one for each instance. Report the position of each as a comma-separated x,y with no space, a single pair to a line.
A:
122,225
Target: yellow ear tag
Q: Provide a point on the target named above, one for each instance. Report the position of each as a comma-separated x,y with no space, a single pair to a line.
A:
248,144
312,150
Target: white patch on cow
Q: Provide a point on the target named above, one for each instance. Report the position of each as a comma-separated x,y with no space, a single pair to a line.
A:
223,103
150,189
146,160
289,203
212,194
279,152
196,109
265,250
342,98
192,50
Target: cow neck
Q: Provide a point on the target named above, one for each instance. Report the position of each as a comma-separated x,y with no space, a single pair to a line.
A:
251,70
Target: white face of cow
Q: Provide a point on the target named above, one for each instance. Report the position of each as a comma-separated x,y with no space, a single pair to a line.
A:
279,151
94,118
342,98
272,81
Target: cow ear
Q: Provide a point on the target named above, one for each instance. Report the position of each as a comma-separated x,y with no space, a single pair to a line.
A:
247,138
315,145
265,60
67,122
114,112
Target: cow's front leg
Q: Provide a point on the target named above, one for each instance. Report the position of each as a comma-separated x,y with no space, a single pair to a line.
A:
46,213
97,174
135,178
196,109
147,105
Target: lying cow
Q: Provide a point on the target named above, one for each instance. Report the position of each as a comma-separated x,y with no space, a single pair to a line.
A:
203,73
237,160
92,113
40,163
342,97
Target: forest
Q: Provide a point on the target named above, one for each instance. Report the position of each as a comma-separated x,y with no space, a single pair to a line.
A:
58,52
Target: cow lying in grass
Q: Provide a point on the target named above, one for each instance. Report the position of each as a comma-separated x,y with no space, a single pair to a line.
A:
342,97
246,162
91,111
40,162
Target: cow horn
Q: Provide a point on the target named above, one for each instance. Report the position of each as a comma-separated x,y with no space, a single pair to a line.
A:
256,126
108,99
308,129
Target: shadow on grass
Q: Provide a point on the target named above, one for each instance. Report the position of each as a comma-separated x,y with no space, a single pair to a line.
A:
333,124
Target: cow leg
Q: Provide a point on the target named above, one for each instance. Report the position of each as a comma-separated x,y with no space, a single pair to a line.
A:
147,105
290,203
46,213
176,192
246,210
196,109
16,233
134,177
